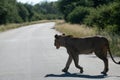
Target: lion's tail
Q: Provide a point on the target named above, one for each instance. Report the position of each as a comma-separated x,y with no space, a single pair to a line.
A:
107,44
112,57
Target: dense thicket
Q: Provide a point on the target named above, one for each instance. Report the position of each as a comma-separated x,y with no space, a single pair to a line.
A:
12,11
104,14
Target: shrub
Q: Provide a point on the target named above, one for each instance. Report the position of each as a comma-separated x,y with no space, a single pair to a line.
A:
78,14
37,16
104,16
92,18
111,29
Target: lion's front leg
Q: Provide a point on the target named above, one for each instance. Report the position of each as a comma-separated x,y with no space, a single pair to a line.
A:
76,61
67,64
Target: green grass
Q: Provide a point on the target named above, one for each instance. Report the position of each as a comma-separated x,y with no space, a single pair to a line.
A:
83,31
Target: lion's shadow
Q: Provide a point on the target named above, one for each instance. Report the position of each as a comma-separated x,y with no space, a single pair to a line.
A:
77,75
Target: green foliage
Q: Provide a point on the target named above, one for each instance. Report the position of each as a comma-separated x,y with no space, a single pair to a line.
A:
23,12
104,14
3,13
97,3
8,12
37,16
67,6
111,29
48,10
12,11
105,17
78,15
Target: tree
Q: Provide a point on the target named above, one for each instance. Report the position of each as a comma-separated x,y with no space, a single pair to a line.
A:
9,12
12,11
30,10
67,6
97,3
3,13
48,10
105,17
78,15
22,11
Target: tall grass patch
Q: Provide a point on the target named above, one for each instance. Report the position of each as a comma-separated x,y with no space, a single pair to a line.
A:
75,30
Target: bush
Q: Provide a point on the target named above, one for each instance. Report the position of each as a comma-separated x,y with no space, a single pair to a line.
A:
78,15
104,16
37,16
111,29
92,18
98,17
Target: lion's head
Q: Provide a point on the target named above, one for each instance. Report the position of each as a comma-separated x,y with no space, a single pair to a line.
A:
60,40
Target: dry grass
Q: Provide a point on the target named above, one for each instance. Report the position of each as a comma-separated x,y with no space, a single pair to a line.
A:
14,25
8,26
75,30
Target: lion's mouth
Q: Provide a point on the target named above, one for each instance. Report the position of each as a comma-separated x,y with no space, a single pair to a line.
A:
57,47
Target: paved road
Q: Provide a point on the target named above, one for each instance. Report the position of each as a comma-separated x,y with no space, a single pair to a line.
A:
28,53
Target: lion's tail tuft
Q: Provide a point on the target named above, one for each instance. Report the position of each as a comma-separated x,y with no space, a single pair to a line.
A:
119,62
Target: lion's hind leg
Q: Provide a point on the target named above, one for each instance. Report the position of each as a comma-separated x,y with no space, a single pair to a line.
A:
102,54
105,60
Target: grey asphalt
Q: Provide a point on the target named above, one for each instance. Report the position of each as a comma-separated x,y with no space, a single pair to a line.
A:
28,53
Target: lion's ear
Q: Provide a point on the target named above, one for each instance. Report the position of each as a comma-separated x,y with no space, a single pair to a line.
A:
63,34
56,36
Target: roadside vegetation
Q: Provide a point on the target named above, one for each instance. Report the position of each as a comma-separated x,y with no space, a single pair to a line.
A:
103,14
5,27
75,30
12,11
90,18
15,14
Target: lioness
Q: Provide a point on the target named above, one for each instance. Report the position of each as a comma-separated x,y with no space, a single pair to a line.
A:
76,46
